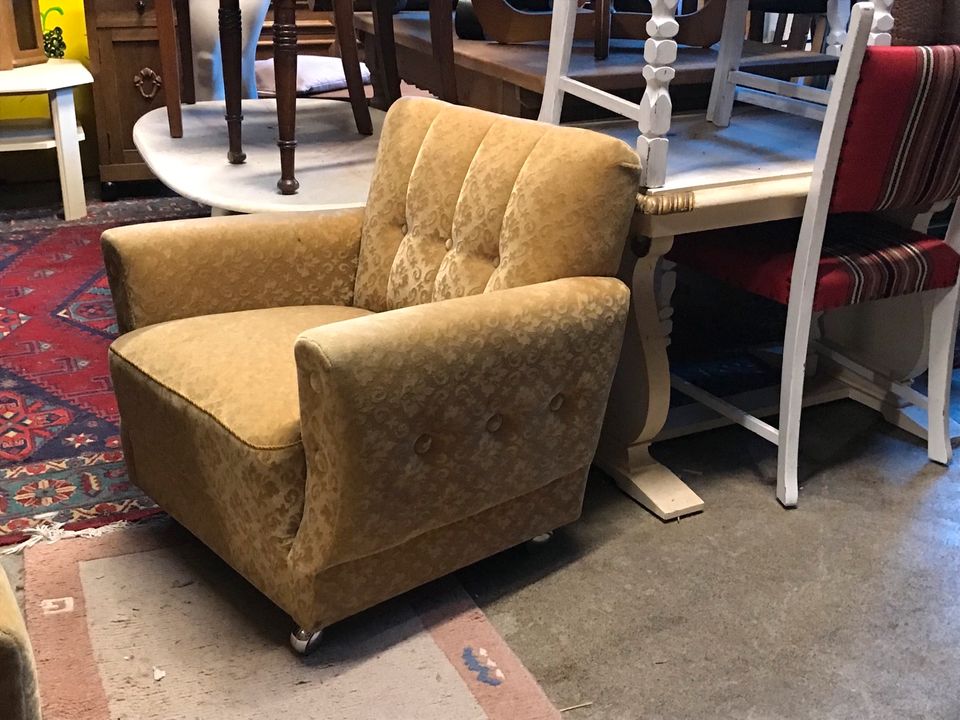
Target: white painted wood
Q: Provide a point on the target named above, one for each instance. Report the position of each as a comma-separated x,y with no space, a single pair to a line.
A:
562,26
781,87
943,338
807,260
652,485
781,104
64,117
601,98
334,163
875,378
656,106
838,17
55,78
881,33
728,410
44,77
29,134
722,91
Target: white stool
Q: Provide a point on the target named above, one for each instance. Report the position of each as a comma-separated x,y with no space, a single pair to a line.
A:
56,78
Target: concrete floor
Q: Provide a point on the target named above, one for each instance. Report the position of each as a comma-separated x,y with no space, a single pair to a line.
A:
842,608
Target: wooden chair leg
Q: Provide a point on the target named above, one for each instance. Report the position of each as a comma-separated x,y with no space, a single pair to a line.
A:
943,337
167,32
347,39
791,407
231,51
188,89
285,74
601,29
441,41
723,91
386,50
562,26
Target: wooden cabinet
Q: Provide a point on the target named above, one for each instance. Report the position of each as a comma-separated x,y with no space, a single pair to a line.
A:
125,59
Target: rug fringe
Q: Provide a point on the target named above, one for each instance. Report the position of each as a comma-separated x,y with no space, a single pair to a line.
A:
51,532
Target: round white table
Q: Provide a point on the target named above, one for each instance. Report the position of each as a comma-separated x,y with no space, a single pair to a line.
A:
334,162
56,79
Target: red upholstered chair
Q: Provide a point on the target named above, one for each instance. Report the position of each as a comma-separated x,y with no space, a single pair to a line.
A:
891,141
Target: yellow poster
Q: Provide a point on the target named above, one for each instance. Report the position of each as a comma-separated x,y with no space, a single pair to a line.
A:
67,15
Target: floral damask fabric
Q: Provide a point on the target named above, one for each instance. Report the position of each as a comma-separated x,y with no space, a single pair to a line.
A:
339,404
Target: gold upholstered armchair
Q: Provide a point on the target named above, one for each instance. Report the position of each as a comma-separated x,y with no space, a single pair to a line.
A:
346,405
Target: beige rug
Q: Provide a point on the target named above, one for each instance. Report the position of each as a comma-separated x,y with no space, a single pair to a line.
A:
147,624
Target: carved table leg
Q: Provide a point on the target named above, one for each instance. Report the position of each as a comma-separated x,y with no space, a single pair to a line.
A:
231,49
656,107
285,73
386,50
640,397
880,33
346,36
838,17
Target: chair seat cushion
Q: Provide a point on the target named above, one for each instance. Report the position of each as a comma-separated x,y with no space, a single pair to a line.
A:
864,258
237,368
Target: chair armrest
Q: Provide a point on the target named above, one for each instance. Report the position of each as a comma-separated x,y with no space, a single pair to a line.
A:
185,268
416,418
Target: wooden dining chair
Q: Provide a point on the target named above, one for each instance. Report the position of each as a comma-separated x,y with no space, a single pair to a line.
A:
731,84
173,23
889,143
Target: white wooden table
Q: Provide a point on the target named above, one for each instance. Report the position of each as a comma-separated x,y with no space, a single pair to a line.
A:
334,163
56,79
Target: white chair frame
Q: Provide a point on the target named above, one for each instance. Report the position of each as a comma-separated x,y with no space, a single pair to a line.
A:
654,113
803,284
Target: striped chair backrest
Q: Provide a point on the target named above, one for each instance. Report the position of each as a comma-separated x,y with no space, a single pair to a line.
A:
901,148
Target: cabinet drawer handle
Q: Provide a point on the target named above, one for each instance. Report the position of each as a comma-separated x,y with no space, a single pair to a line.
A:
150,79
141,7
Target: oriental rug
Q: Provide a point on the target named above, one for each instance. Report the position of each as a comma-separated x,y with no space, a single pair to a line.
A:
60,456
148,624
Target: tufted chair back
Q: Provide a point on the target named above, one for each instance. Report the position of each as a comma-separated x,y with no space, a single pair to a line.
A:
464,202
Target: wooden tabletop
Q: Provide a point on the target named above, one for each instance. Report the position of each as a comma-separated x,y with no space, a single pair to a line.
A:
525,65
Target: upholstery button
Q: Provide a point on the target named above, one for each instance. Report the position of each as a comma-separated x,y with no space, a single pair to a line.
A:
496,262
422,444
448,244
403,228
495,422
556,402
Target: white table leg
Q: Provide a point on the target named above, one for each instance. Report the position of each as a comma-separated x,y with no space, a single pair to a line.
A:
656,106
64,117
880,33
640,397
838,17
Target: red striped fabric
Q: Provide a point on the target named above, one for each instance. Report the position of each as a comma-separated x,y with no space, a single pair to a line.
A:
901,148
864,258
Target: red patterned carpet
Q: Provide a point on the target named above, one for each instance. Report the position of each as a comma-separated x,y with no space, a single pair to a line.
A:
60,455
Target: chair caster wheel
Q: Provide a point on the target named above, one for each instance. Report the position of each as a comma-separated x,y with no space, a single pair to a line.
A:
305,642
542,539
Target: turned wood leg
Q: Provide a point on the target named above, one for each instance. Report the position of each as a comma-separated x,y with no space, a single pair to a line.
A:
343,20
285,72
441,41
640,397
230,50
386,50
